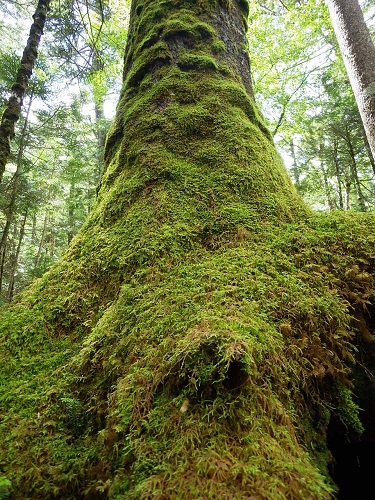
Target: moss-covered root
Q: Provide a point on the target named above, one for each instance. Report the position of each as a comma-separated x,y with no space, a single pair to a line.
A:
217,374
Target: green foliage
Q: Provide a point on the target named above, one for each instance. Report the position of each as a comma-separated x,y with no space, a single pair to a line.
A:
303,89
5,488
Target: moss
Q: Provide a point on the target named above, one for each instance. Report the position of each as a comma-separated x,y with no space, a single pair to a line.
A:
218,46
188,342
245,324
5,488
197,61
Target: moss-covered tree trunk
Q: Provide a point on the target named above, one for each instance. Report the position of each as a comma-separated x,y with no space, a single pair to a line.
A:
197,339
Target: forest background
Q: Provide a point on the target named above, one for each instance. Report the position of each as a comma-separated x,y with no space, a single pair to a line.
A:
50,182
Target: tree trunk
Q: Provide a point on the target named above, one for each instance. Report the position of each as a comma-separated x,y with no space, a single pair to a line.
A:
295,167
97,66
15,259
33,229
327,187
41,242
348,187
195,341
13,109
10,209
338,174
358,52
354,172
369,152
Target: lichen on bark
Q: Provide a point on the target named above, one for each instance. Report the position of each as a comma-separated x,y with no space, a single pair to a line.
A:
199,335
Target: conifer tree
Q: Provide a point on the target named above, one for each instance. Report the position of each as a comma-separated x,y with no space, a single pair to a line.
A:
358,52
13,109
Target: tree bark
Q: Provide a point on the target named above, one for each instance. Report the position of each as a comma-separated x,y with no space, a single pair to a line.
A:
295,167
41,242
13,270
10,209
337,174
354,171
369,152
327,187
12,111
358,52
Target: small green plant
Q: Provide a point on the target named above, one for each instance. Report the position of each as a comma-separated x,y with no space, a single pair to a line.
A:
5,488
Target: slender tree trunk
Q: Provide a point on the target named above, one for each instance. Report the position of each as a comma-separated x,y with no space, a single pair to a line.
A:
41,242
327,189
348,186
354,171
15,259
360,195
13,110
70,232
338,175
33,230
369,152
97,66
295,169
10,209
358,52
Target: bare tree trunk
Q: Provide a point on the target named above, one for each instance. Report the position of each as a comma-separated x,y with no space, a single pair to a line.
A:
337,173
13,197
369,152
295,169
33,230
354,171
358,52
98,66
15,259
331,203
13,110
42,240
348,185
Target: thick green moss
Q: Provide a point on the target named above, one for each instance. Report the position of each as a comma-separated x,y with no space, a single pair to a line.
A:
211,370
199,334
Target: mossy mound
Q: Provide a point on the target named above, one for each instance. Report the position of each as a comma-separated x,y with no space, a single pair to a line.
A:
212,372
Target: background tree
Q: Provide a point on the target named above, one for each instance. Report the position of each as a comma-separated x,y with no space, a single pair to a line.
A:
60,162
358,52
12,111
304,92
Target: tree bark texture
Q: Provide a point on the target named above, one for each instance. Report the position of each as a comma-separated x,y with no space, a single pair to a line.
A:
358,52
13,109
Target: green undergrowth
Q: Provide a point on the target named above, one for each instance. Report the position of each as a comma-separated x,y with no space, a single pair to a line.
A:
212,371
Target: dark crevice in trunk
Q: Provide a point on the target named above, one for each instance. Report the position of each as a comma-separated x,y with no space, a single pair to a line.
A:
353,455
353,459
